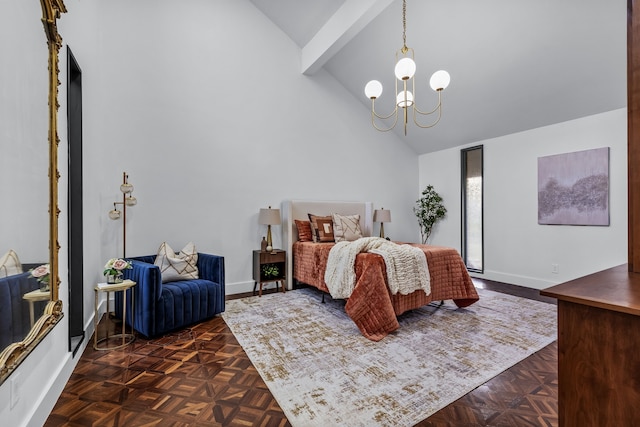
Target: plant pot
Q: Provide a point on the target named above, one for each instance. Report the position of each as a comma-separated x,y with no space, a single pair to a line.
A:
114,278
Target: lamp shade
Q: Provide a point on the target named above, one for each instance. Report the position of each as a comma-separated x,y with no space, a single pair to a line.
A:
440,80
269,216
126,188
114,214
373,89
382,215
130,200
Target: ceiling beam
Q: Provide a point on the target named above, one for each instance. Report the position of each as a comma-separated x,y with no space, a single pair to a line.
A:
345,24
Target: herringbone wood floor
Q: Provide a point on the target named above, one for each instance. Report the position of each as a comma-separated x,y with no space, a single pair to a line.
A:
200,376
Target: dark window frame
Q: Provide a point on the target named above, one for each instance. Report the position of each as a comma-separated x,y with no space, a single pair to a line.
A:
463,221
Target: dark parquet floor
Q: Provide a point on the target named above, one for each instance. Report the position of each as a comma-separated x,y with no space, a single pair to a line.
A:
201,376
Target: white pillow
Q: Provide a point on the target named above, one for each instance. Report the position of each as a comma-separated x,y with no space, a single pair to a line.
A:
10,264
181,266
346,227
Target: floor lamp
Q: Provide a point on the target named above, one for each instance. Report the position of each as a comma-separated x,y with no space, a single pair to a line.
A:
127,200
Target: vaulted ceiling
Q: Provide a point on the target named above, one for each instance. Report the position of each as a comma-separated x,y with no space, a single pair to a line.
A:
514,65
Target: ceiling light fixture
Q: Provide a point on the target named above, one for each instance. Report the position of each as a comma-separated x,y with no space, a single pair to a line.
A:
405,99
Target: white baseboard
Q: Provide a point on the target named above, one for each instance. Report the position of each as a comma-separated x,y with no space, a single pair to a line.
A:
514,279
239,287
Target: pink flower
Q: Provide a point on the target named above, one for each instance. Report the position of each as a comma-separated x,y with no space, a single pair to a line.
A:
115,266
41,271
120,264
41,274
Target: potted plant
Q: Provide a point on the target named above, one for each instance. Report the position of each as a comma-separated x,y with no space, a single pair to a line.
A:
429,210
113,269
270,271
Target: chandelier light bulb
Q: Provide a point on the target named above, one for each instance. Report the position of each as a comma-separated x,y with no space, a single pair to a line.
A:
373,89
405,68
404,99
114,214
440,80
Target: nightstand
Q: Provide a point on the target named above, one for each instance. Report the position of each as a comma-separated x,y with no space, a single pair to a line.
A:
277,259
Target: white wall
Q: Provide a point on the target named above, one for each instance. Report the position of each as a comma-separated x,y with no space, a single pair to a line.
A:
517,250
206,109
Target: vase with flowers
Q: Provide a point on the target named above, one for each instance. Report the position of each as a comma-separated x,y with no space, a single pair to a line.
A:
113,269
42,274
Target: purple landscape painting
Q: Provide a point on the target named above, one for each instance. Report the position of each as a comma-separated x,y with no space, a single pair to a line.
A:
573,188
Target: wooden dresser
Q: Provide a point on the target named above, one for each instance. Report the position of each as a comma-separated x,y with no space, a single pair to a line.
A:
599,349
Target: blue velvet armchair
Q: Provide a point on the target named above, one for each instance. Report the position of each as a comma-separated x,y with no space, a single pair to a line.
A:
164,307
14,314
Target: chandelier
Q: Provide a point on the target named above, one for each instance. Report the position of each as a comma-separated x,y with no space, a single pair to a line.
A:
405,99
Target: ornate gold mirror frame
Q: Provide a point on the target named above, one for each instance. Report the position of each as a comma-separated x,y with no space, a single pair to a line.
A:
15,353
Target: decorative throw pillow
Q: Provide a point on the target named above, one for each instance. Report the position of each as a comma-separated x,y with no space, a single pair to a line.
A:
304,231
321,228
10,264
181,266
346,227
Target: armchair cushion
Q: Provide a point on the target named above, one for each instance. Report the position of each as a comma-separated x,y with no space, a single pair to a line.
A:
163,307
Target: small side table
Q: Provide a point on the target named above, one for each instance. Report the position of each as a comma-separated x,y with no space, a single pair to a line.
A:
114,287
278,258
34,296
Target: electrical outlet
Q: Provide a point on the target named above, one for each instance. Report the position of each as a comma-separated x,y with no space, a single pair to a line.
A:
14,389
555,269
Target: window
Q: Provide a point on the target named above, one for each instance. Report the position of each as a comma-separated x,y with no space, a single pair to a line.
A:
472,209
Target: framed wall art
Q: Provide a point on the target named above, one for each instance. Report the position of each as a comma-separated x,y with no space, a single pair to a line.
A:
573,188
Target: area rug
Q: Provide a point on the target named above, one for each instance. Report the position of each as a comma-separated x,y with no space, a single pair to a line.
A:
322,371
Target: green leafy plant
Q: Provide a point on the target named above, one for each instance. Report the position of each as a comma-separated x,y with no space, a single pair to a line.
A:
270,270
429,210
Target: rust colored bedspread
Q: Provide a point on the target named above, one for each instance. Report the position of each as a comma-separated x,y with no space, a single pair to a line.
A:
372,306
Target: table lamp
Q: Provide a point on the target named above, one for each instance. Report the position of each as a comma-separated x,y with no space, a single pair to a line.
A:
269,217
382,216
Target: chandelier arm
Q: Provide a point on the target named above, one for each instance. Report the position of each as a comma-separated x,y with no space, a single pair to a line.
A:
374,115
438,109
373,112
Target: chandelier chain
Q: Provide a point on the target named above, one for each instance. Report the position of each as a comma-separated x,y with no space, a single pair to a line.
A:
404,27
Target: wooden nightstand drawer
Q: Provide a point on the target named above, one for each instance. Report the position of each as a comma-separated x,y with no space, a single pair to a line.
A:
268,257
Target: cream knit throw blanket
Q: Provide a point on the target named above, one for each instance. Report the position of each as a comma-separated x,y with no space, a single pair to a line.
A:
407,268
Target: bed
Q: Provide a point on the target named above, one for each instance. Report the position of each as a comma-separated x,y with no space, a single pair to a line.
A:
372,306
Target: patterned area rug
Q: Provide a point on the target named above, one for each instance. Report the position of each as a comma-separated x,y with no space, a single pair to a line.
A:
322,371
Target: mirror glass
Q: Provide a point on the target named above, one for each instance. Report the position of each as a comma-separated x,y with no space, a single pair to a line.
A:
24,174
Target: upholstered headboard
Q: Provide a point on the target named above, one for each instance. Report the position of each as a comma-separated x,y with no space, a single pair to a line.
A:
299,209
